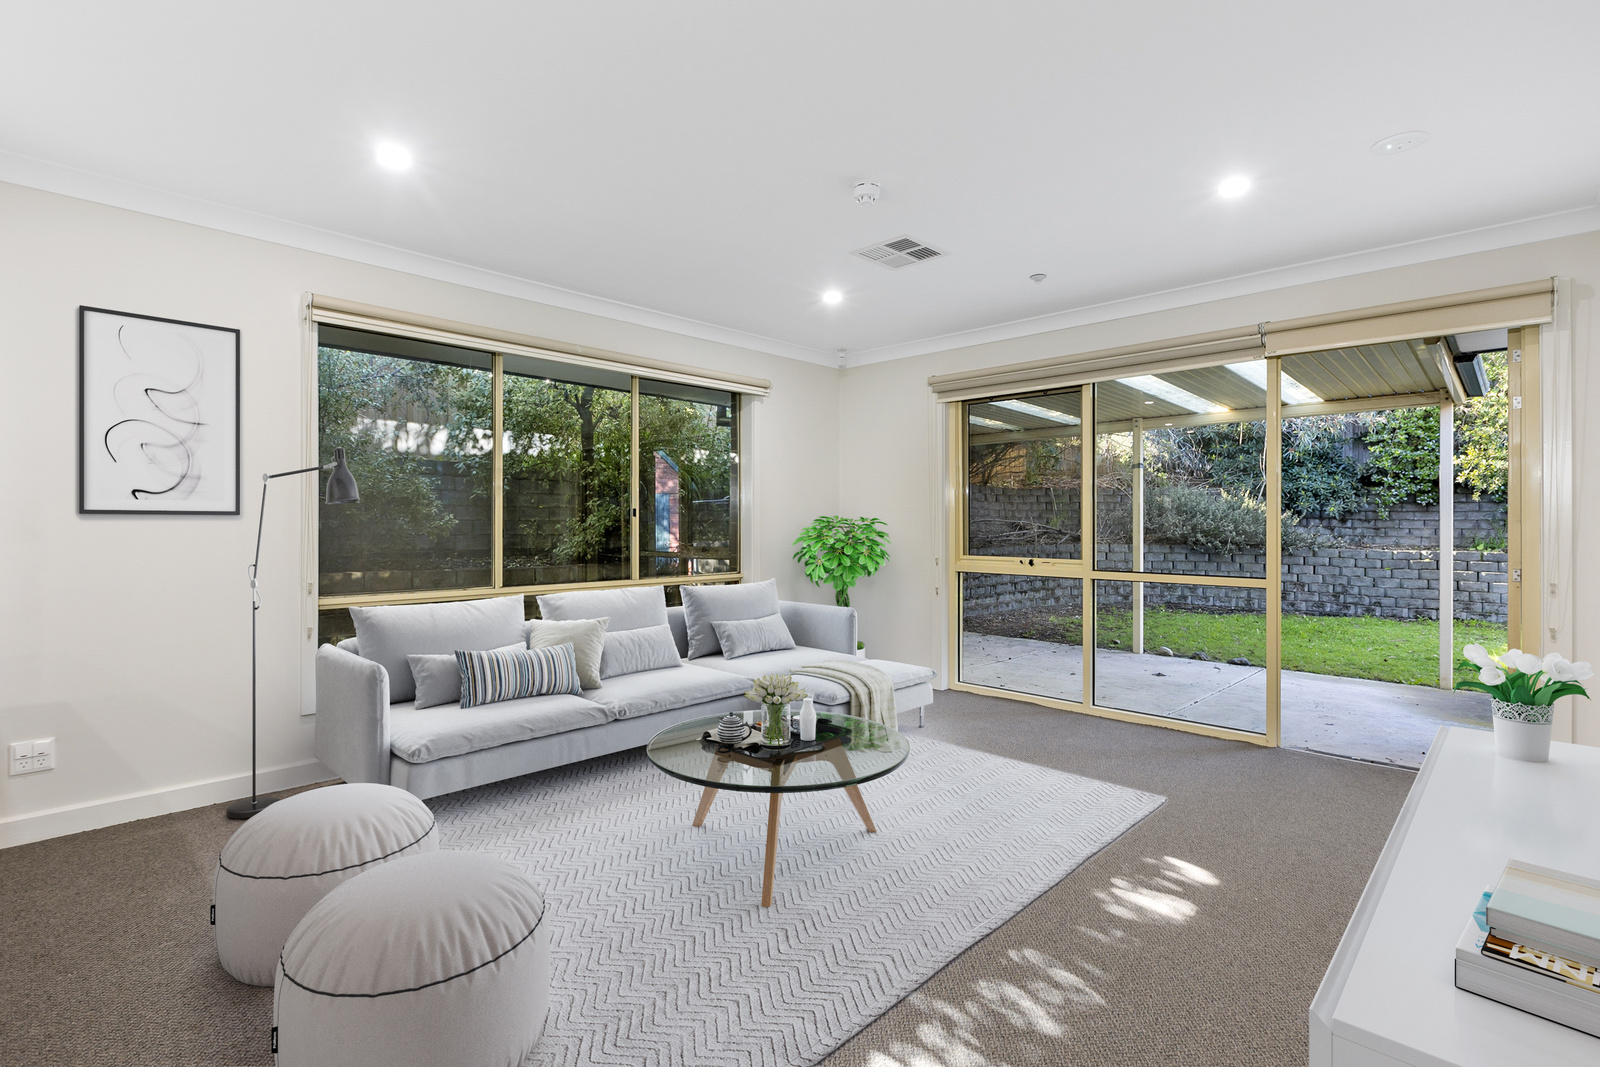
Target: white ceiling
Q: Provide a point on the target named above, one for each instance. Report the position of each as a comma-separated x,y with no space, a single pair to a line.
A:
695,160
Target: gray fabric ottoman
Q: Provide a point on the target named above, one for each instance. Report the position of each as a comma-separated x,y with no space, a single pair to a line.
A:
442,959
287,857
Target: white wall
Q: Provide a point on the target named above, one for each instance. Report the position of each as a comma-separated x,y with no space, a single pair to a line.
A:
127,637
889,463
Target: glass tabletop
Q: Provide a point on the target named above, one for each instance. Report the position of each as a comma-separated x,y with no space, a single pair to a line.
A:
871,750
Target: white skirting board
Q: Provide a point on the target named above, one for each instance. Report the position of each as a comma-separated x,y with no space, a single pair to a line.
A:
108,811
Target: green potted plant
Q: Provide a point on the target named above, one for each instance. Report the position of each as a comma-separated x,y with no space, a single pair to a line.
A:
1523,689
839,552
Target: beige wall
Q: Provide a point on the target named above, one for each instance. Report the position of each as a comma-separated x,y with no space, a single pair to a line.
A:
128,638
889,465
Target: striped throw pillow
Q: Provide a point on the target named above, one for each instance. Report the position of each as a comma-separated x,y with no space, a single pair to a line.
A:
487,677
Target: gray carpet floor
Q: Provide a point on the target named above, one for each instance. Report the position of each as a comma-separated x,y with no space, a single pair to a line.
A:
1196,938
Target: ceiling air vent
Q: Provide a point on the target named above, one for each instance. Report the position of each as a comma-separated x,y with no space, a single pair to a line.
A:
901,252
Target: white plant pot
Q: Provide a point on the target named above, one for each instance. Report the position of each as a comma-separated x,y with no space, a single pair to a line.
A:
1519,740
861,653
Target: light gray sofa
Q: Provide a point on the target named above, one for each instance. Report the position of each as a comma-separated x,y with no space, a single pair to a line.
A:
364,737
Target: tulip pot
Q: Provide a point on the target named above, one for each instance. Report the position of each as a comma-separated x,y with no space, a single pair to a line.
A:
1522,731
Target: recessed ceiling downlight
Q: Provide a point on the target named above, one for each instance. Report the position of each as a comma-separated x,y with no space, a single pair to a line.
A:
391,155
832,296
1399,142
1233,187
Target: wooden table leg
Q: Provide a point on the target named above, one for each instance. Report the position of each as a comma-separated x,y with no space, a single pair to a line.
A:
861,807
772,849
710,794
841,763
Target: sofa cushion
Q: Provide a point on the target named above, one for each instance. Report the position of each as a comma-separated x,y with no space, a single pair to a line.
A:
778,661
824,692
628,609
586,636
706,604
421,735
389,634
745,637
629,696
648,648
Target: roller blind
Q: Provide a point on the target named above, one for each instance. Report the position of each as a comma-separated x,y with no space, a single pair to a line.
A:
344,313
1059,372
1483,309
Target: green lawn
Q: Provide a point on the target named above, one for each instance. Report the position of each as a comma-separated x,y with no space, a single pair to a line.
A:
1386,650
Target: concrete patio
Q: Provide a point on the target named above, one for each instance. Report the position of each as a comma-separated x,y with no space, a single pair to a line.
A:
1378,721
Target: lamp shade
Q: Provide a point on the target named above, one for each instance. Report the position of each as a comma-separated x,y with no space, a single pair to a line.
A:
341,483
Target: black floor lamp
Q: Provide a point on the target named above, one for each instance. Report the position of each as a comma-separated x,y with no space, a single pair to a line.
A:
341,490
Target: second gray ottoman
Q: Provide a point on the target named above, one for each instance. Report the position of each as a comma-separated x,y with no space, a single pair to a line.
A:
442,959
285,859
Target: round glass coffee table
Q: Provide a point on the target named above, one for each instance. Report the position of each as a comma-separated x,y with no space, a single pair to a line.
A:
858,751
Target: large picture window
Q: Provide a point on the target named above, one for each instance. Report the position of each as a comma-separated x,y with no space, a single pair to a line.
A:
486,472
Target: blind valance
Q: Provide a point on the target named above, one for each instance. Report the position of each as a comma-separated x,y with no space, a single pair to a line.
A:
1483,309
347,313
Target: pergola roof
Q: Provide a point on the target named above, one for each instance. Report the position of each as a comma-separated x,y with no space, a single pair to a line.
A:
1369,377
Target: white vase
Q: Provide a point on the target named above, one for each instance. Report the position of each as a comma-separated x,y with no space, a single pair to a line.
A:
1515,737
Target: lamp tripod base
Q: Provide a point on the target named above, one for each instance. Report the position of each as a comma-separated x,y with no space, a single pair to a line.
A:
243,809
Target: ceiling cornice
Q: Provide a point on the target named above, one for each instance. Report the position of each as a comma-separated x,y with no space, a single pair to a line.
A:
1484,239
115,192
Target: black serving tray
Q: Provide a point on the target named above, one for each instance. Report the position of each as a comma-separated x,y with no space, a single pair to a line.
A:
828,734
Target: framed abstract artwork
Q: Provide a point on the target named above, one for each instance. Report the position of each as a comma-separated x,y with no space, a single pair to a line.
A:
158,415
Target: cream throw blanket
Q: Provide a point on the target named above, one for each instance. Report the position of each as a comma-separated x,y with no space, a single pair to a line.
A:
871,691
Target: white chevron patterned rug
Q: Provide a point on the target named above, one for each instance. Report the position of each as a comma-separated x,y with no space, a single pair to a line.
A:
662,954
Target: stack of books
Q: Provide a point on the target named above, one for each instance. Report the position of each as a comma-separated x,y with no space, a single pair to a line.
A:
1534,943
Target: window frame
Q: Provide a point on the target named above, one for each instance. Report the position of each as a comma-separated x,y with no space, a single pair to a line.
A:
497,586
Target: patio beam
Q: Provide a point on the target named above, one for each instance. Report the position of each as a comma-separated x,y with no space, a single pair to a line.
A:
1447,544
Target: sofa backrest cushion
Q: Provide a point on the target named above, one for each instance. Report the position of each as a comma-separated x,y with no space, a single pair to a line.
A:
706,604
389,634
628,609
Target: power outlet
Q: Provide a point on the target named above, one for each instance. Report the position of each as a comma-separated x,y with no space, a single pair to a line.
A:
30,756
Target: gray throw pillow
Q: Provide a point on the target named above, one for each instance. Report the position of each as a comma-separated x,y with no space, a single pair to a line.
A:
647,648
439,677
389,634
628,609
706,604
745,637
586,636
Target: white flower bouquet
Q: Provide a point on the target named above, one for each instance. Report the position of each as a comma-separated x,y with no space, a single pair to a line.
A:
775,689
1527,684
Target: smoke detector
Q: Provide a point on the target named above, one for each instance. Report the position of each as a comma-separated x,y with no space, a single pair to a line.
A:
867,192
900,252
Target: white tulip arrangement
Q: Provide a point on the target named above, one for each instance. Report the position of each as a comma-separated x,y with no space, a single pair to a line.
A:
1521,678
775,689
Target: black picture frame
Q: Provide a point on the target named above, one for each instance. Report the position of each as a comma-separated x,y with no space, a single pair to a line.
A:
150,428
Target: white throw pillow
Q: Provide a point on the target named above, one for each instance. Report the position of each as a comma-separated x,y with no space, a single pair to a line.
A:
648,648
706,604
745,637
586,636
